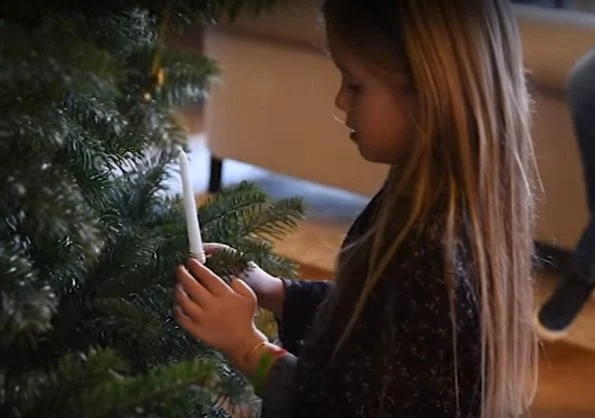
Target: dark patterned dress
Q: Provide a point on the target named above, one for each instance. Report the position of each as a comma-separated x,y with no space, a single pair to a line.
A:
399,359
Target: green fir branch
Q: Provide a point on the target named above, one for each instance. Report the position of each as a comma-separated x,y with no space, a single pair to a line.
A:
51,393
118,397
123,322
187,78
88,237
85,160
36,135
181,12
27,303
230,200
188,404
97,110
97,386
281,219
261,252
228,264
119,271
63,265
123,33
43,68
268,221
48,214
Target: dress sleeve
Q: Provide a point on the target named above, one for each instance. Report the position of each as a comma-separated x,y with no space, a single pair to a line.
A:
278,395
302,299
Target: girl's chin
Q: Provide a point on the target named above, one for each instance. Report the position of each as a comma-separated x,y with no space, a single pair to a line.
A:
371,155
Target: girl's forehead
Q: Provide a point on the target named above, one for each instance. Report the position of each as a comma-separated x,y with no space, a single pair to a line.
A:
344,58
365,61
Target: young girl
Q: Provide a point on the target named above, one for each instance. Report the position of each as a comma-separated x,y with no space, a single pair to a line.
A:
430,311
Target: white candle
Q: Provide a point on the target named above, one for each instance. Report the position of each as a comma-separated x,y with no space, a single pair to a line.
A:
192,225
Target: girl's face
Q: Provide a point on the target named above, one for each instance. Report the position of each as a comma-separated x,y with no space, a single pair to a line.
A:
380,116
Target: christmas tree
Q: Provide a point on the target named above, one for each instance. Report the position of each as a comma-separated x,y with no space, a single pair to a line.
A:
89,235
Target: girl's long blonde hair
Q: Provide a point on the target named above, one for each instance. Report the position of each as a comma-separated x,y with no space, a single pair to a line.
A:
473,153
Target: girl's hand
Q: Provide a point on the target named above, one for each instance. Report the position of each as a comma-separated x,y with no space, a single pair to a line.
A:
269,290
220,315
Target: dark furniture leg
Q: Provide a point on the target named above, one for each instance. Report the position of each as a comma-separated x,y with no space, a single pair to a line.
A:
215,174
552,259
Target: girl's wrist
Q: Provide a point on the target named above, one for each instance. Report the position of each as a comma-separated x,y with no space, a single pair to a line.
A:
263,360
255,358
240,353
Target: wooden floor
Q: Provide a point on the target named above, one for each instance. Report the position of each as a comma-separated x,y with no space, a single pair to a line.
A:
566,374
566,383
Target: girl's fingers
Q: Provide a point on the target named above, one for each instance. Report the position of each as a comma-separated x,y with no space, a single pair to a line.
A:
191,286
209,280
189,307
185,322
240,287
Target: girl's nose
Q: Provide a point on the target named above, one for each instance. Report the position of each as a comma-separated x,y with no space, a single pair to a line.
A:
342,100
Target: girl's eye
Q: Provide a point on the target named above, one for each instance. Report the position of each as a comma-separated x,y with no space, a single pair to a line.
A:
353,87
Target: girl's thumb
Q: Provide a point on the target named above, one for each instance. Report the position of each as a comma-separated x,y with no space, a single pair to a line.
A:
240,287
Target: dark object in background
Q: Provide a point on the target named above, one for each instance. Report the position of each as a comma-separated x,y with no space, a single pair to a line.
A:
545,3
